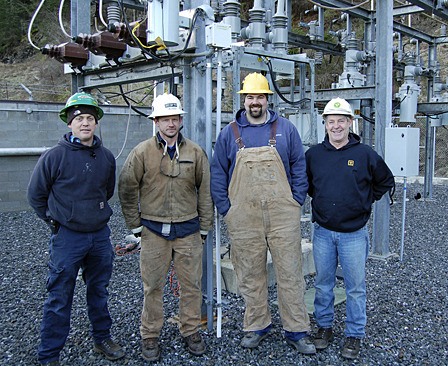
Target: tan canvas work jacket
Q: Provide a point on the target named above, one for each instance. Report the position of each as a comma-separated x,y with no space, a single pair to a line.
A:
154,187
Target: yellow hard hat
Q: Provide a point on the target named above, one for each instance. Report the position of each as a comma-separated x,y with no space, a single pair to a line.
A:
255,83
338,106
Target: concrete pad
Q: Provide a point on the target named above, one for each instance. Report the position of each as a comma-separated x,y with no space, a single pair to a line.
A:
339,294
228,277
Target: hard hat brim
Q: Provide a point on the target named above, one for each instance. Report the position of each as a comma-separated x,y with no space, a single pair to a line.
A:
178,112
263,91
63,113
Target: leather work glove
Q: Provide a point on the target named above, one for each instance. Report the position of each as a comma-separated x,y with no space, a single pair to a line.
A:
137,231
53,225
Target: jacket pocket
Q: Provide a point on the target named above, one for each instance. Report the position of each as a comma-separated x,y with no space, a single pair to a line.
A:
90,212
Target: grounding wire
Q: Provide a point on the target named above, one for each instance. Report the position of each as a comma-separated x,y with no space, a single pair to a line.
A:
61,24
31,25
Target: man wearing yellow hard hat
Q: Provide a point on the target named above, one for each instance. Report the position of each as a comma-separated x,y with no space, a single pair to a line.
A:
259,184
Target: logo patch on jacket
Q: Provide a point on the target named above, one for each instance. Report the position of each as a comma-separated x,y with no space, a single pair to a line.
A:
351,163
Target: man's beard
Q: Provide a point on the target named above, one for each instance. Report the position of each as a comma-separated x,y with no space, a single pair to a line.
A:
256,114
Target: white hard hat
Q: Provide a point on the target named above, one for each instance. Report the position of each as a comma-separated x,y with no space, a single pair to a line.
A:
338,106
166,105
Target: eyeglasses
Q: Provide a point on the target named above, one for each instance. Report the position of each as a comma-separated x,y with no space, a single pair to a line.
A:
169,167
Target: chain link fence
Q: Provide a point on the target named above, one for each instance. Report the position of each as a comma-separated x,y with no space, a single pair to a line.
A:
441,149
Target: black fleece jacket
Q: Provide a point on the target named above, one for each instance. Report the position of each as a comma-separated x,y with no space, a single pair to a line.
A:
72,183
343,183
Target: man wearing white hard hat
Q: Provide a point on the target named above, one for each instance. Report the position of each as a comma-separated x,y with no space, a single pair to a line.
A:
345,178
164,190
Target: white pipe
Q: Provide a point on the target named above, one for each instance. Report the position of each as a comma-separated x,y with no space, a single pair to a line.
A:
208,150
217,223
22,151
403,218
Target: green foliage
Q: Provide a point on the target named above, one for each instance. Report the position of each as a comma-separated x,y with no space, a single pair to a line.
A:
15,18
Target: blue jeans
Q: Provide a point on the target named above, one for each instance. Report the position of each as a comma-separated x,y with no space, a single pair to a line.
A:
352,250
70,251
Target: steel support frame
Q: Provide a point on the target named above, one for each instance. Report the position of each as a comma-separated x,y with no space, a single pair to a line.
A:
383,108
80,23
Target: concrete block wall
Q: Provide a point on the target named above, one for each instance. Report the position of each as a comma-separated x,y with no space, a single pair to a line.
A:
26,125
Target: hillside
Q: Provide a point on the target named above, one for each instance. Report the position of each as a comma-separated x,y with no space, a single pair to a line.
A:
43,77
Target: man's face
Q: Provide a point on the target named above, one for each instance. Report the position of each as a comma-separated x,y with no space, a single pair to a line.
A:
169,126
83,127
338,128
256,105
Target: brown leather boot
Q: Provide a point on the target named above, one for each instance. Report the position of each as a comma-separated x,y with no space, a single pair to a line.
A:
195,344
150,349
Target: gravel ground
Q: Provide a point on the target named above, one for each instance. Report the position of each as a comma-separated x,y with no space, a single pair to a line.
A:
406,307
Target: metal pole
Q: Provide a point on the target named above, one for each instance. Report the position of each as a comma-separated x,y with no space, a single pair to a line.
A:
217,222
403,218
383,110
195,100
208,150
80,23
430,139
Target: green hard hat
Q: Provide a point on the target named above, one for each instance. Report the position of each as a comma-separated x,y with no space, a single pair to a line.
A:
80,99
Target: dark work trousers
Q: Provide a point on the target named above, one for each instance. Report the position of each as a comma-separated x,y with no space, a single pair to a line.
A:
70,251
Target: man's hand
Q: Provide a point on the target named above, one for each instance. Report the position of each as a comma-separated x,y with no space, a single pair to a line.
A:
137,231
53,225
203,235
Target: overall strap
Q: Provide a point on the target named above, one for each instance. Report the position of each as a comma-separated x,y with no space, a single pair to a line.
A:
272,140
239,141
236,133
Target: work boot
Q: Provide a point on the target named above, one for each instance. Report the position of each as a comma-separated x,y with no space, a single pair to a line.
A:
253,339
150,349
195,344
303,345
323,338
109,349
351,348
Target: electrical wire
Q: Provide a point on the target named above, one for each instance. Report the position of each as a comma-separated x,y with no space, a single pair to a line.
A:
126,134
402,100
31,25
340,9
61,24
125,98
368,119
149,49
100,12
271,72
95,21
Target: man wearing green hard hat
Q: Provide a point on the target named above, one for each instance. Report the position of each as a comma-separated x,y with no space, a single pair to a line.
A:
69,190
